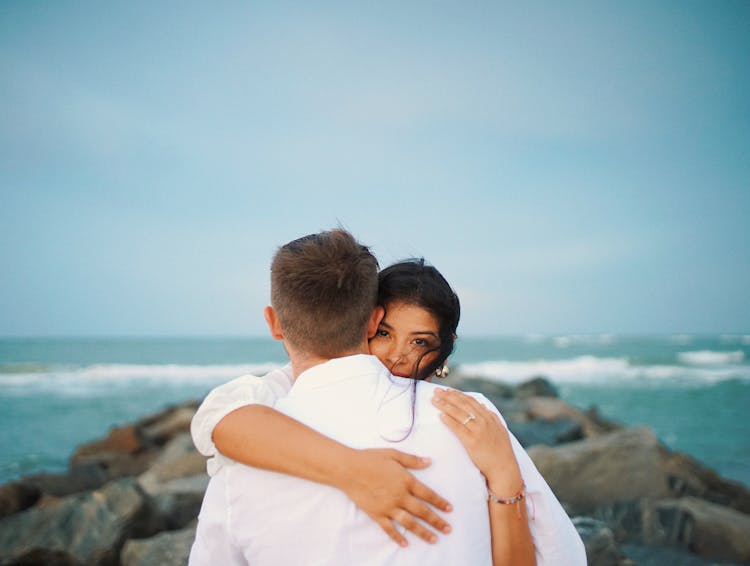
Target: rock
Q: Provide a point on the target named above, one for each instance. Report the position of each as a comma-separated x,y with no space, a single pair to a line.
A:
119,441
178,459
617,466
17,496
87,528
493,390
177,502
644,555
707,529
552,409
537,387
704,528
687,476
162,427
77,479
601,547
550,433
165,549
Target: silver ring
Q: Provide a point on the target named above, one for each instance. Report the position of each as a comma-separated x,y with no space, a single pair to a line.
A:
470,418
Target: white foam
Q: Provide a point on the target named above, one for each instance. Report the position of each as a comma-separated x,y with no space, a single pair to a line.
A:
122,374
583,339
592,369
711,357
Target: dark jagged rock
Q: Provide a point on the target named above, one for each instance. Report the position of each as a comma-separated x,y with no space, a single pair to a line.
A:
645,555
85,529
553,409
601,547
618,466
17,496
704,528
75,480
537,387
165,549
550,433
639,492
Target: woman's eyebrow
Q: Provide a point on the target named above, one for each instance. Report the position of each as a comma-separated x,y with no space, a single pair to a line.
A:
428,332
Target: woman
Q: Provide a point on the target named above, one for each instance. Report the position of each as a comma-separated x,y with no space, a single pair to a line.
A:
414,339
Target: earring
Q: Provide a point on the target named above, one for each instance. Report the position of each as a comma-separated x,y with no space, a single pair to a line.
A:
442,372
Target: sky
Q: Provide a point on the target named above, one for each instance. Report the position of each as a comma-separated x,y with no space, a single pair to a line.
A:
570,167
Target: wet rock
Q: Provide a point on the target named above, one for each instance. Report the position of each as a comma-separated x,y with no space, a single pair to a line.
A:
550,433
551,409
88,529
177,502
709,530
120,441
17,496
165,549
688,476
601,547
612,467
644,555
536,387
178,459
77,479
162,427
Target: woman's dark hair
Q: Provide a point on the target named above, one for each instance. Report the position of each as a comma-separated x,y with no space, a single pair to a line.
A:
414,282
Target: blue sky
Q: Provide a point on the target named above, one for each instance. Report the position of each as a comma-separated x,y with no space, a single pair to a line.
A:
575,167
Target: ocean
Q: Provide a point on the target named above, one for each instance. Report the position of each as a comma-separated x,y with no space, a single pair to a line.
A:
694,391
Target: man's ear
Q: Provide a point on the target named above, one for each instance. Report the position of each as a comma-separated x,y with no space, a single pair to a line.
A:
372,325
274,326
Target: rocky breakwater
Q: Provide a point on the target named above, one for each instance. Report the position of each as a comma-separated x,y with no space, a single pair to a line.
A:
132,497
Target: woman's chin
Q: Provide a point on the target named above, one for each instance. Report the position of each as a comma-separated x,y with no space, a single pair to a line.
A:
397,374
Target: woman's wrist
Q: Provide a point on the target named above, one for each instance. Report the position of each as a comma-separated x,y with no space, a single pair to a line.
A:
507,484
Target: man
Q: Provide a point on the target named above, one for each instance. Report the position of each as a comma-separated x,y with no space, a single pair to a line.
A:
323,295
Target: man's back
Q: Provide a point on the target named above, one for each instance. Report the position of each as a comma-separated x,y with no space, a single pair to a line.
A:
270,518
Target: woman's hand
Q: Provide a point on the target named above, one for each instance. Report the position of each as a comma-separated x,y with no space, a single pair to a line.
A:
379,483
485,438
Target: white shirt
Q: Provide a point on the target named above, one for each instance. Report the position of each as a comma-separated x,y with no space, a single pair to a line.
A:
556,541
252,516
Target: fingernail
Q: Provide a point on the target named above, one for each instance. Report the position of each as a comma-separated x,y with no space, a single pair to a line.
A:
426,460
404,544
449,507
447,529
433,539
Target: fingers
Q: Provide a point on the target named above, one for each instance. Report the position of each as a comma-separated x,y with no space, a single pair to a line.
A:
424,493
407,520
457,408
461,401
410,460
392,532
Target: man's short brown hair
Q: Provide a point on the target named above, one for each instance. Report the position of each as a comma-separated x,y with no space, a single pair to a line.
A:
323,288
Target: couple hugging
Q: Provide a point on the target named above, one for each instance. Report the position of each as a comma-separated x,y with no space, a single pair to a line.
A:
304,466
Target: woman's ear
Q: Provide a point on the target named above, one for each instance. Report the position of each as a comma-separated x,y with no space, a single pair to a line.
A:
372,325
274,326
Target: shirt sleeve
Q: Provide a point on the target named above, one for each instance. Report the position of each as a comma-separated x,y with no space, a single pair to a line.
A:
245,390
556,539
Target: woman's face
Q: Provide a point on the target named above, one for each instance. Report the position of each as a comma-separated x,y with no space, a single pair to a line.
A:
406,332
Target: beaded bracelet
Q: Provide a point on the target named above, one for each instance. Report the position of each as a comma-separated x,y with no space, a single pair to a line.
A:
520,496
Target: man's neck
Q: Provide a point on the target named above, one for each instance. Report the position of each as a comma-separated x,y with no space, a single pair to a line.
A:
303,362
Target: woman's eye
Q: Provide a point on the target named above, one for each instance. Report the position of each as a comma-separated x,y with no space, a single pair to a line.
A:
382,333
420,342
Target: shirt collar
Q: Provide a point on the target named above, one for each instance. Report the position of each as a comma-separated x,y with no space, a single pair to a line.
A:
335,370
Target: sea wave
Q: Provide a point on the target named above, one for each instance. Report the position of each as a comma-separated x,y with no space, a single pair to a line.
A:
109,374
593,369
711,357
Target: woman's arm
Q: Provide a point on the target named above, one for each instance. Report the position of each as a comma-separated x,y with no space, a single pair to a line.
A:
487,441
376,480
